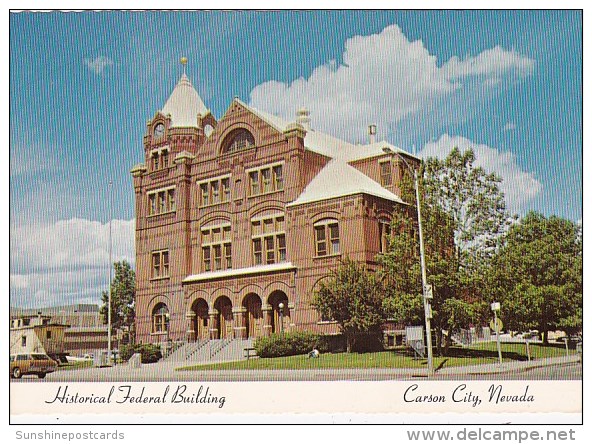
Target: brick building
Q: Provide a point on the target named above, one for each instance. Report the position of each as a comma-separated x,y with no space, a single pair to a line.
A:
239,219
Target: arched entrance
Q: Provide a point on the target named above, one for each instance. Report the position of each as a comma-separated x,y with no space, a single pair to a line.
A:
253,315
200,322
224,317
280,317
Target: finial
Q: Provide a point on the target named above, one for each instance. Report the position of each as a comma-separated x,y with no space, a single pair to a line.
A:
183,62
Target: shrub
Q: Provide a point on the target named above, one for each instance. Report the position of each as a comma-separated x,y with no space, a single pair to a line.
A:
149,352
287,344
297,343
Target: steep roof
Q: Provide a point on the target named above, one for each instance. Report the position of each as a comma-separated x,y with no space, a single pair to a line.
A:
339,179
184,104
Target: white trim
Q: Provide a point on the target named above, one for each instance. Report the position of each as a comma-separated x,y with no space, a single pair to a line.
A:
268,216
267,165
158,190
214,179
160,150
282,266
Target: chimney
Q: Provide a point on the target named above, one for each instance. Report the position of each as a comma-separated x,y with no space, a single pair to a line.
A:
303,118
372,133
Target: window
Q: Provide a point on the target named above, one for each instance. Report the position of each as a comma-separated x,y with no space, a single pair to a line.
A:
159,159
161,201
238,140
386,176
160,319
214,191
216,247
266,180
384,230
269,239
160,264
23,341
327,237
48,334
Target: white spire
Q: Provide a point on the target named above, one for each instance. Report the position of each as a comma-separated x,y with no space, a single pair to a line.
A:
184,104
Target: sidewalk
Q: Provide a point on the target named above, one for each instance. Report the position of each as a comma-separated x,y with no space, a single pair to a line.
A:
166,371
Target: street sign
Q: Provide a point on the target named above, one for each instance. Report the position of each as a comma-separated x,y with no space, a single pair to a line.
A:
429,292
496,323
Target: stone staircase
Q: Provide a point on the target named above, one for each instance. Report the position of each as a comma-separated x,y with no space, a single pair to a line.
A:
214,350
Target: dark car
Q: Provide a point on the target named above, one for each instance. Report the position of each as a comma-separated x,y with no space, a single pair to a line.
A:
31,364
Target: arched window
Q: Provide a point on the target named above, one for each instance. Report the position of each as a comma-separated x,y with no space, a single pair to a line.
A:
160,318
327,237
237,140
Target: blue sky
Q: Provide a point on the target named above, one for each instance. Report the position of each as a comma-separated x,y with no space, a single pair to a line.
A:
82,86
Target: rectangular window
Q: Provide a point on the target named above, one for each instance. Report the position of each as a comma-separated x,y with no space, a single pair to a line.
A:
226,190
215,187
321,241
48,334
278,177
217,257
159,159
216,248
269,240
228,255
269,250
161,201
152,204
327,237
160,264
334,236
24,341
207,259
281,240
386,177
267,179
214,191
171,205
204,189
254,182
257,256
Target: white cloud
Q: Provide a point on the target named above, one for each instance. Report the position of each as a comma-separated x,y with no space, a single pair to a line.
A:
393,82
66,261
519,186
98,64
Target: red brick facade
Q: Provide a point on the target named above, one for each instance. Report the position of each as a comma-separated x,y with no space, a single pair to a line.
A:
231,226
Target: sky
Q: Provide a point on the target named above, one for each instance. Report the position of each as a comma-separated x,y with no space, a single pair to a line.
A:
83,85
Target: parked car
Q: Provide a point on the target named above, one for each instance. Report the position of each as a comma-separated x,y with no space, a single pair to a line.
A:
31,364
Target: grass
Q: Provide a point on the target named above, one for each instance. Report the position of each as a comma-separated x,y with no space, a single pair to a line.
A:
485,353
76,365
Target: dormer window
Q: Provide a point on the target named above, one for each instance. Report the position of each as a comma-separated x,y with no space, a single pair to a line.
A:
238,140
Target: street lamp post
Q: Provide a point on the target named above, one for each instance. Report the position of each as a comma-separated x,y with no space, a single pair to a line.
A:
495,307
110,273
427,289
281,307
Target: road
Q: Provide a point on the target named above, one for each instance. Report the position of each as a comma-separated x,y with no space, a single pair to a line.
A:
164,373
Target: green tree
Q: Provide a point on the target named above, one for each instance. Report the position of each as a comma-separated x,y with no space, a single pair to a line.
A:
537,275
472,198
123,293
463,214
352,296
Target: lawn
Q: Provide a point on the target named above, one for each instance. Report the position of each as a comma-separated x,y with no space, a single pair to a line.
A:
485,353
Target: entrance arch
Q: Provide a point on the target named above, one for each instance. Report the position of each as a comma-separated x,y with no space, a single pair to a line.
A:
279,315
224,318
253,315
200,322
